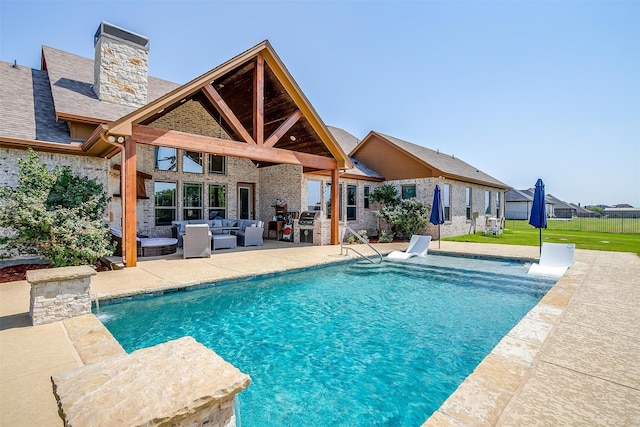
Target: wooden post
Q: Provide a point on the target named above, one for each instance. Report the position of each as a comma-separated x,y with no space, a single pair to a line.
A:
123,198
335,209
129,208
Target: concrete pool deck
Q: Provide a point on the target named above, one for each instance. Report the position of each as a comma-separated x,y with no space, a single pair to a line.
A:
577,353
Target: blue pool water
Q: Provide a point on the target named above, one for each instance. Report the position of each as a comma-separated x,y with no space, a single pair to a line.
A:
345,345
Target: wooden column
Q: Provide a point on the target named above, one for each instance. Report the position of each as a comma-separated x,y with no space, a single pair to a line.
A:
123,197
129,208
335,207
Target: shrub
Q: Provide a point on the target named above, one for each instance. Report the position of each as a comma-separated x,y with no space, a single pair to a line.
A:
385,237
406,218
55,215
385,195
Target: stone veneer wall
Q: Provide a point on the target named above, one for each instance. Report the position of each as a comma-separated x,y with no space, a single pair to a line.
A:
59,293
120,72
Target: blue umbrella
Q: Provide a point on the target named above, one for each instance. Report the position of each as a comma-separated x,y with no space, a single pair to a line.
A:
437,214
538,216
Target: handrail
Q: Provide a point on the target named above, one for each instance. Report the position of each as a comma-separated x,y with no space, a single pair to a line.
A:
361,239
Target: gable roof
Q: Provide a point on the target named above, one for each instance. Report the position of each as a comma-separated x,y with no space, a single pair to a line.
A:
514,195
359,170
230,82
440,163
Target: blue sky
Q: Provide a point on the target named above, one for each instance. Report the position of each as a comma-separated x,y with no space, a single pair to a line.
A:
520,89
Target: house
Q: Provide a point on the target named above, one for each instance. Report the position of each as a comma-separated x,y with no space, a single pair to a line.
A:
519,203
469,195
625,212
562,209
239,141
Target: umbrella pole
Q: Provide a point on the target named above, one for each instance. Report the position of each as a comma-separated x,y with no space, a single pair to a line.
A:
540,241
439,236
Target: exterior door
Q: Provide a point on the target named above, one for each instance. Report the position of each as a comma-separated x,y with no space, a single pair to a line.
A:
245,202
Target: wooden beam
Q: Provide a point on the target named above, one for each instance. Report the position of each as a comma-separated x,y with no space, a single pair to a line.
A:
214,97
283,128
258,100
335,207
129,197
211,145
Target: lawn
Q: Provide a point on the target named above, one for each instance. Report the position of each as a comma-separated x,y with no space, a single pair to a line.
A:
529,236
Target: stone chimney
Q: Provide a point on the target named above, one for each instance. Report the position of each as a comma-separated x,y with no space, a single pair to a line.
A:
121,66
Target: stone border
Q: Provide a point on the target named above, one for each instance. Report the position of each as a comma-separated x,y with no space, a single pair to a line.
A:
484,396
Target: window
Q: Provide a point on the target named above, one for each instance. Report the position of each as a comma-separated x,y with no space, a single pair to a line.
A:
217,201
467,201
327,196
314,195
367,191
487,202
351,202
192,162
165,202
446,201
217,164
166,159
408,191
191,201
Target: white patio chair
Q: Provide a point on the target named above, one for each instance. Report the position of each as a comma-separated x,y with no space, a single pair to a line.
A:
418,246
555,259
196,242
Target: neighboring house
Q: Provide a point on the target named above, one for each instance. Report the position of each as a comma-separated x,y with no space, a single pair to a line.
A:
622,212
519,203
231,143
562,209
584,213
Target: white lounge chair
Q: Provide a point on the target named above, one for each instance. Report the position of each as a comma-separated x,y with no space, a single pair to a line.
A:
555,259
196,241
418,246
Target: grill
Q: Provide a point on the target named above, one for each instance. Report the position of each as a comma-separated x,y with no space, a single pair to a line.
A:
307,218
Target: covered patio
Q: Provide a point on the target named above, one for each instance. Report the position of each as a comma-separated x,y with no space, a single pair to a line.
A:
261,115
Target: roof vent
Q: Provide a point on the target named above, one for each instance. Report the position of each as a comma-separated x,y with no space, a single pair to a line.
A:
111,30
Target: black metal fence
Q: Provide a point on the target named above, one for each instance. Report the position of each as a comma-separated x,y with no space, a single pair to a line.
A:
598,225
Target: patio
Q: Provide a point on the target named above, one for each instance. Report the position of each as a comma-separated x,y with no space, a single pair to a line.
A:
586,370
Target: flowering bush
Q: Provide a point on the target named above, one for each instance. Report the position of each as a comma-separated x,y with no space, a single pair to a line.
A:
408,217
55,215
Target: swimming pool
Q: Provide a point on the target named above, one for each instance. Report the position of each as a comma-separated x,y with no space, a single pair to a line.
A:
350,344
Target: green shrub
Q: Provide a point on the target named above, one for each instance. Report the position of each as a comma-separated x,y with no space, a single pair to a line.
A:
386,195
408,217
55,215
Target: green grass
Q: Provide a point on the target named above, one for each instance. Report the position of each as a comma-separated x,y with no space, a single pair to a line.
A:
582,239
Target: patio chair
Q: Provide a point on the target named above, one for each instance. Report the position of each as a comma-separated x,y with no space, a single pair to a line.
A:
555,259
196,242
418,246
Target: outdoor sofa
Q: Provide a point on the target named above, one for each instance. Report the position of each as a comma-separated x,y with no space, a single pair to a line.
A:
248,232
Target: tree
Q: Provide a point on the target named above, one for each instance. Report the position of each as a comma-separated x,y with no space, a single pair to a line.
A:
55,215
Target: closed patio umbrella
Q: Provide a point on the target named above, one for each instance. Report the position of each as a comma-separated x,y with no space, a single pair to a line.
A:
437,214
538,216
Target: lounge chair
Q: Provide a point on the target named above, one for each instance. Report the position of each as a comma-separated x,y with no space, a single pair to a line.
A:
196,242
418,246
555,259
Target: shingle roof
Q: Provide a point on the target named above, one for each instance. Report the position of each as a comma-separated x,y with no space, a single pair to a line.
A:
26,106
514,195
346,140
71,78
444,162
558,204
